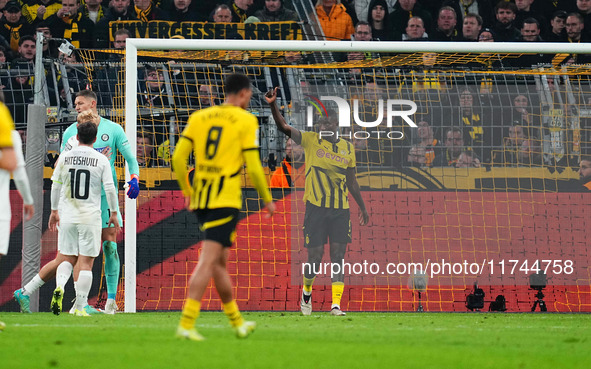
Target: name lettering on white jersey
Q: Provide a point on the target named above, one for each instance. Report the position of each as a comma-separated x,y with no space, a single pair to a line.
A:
81,160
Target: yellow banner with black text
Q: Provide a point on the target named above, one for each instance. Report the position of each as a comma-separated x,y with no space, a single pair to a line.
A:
200,30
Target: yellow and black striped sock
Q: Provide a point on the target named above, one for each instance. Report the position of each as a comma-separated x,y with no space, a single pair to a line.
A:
190,313
231,310
337,292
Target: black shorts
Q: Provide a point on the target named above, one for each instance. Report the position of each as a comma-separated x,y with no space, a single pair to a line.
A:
323,224
218,225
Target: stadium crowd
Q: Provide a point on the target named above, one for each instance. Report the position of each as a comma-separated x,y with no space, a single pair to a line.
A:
86,22
509,139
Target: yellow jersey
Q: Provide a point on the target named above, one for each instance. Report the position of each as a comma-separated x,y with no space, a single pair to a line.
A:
326,171
219,135
6,127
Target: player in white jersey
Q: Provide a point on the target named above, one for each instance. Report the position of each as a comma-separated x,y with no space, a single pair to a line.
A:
78,179
110,139
48,271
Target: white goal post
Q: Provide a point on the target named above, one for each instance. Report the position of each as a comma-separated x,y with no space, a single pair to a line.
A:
131,79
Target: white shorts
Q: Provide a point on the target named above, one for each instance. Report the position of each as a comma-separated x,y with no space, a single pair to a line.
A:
4,236
79,239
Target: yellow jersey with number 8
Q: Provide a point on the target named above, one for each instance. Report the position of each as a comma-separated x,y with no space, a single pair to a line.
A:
220,135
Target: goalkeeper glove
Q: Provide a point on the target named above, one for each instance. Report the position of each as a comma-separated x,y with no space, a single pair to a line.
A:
133,187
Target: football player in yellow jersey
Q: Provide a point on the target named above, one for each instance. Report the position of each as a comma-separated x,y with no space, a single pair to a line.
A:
7,154
222,138
330,175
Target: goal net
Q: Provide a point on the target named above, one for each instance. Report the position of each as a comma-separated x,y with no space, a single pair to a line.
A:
478,185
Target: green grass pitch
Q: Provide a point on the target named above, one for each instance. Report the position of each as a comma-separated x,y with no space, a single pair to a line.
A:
289,340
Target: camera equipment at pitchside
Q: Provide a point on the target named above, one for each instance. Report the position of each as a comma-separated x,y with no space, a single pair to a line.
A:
538,281
418,282
475,300
500,304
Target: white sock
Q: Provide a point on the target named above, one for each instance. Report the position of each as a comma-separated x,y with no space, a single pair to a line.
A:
33,285
63,273
83,288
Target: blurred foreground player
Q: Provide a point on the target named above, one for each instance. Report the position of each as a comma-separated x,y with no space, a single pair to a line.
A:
11,161
222,138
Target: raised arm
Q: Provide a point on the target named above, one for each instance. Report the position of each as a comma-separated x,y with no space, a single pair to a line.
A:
271,97
354,189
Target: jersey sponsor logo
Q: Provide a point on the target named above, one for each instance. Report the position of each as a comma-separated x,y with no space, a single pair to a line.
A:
101,149
330,156
105,137
209,168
